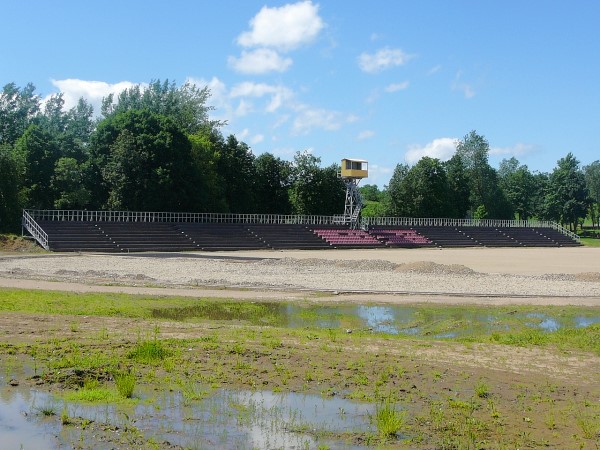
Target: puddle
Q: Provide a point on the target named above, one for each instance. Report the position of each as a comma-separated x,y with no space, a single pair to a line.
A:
215,420
391,319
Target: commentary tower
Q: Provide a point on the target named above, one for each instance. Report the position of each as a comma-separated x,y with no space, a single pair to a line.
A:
353,170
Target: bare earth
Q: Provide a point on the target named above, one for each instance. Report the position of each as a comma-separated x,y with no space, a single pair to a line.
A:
567,381
557,276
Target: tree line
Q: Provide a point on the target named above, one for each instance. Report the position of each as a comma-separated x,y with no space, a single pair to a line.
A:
151,149
466,186
157,149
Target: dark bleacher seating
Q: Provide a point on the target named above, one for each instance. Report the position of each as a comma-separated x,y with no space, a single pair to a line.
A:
490,237
165,236
446,236
346,238
288,236
76,236
221,236
396,237
146,236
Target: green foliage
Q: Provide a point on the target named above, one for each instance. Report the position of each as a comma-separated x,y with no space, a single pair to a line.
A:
18,107
125,382
315,190
149,352
566,198
520,187
272,185
592,183
388,419
10,204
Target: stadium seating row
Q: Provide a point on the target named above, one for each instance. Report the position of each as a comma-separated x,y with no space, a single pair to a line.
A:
178,236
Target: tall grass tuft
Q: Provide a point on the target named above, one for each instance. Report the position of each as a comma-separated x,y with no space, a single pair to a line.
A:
149,352
125,382
388,419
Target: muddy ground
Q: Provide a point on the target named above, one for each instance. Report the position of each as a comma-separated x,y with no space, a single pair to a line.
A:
456,394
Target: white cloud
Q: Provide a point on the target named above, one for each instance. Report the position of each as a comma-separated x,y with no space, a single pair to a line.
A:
382,59
315,118
379,174
516,150
394,87
278,94
434,70
442,148
244,108
257,139
259,61
365,134
93,91
461,86
284,28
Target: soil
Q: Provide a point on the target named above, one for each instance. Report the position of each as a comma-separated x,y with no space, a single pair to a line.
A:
535,396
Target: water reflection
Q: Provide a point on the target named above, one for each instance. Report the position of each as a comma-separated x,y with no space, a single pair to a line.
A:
393,319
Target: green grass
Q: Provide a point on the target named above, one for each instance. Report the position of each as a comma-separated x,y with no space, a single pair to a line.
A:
388,419
125,382
590,242
149,352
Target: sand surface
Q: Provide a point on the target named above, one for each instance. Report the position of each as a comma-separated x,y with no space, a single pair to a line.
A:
482,276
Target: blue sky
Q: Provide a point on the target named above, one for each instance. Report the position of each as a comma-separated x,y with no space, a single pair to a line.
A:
387,81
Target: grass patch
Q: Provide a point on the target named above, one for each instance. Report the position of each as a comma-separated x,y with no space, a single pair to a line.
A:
590,242
125,382
388,419
149,352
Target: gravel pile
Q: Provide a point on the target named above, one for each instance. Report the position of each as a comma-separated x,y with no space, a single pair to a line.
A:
314,274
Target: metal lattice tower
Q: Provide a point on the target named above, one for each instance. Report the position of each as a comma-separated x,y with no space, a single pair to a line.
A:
353,170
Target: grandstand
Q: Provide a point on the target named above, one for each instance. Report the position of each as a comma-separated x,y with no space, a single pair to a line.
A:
126,231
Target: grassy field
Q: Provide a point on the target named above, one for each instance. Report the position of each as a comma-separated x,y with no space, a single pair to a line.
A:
516,387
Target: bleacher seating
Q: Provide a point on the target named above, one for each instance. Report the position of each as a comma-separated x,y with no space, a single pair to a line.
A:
107,236
446,236
220,236
344,237
76,236
489,237
405,238
287,236
146,236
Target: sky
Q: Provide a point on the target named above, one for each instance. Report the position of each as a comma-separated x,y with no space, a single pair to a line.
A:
388,81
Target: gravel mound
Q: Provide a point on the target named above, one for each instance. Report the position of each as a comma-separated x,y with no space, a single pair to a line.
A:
434,268
594,277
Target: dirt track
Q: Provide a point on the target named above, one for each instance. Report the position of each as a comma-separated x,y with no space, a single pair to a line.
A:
478,276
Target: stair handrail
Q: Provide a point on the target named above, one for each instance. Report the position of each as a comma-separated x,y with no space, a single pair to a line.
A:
35,230
565,231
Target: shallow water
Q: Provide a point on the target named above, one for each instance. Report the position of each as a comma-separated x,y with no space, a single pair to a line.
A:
221,419
391,319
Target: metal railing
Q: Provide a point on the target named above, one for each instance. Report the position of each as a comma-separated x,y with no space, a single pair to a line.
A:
462,223
31,216
34,229
143,216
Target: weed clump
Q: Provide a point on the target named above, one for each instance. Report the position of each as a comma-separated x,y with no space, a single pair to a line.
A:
149,352
388,419
125,382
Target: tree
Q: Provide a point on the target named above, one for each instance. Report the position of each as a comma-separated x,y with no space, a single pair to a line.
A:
272,185
483,180
592,183
18,107
10,206
458,187
371,193
567,197
518,183
313,190
395,201
38,152
185,105
144,161
68,184
425,188
235,166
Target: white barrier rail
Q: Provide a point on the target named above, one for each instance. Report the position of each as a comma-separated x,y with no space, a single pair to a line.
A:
144,216
34,229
